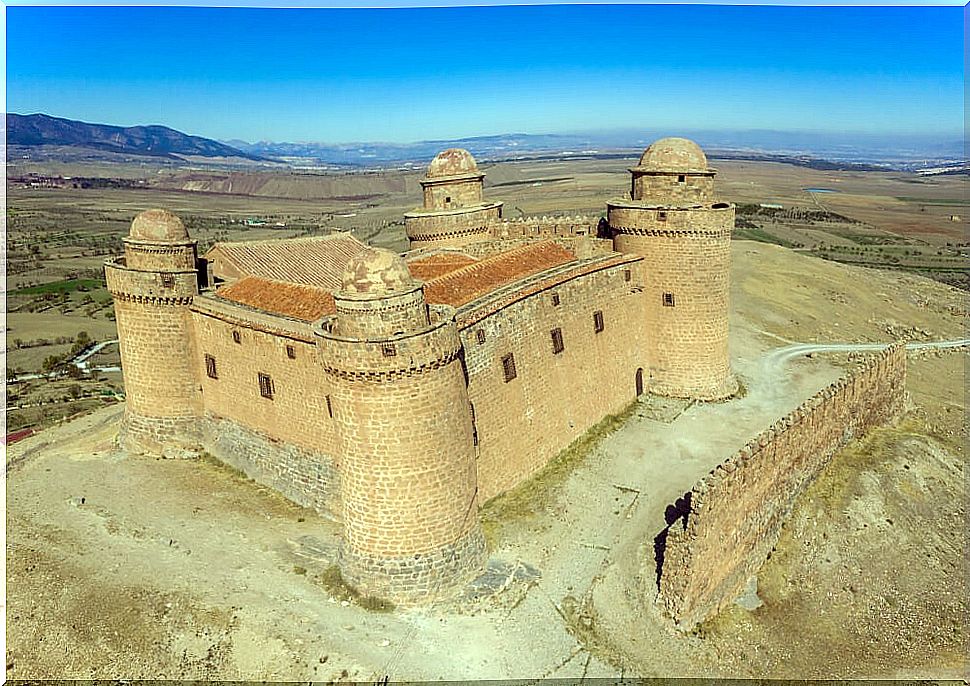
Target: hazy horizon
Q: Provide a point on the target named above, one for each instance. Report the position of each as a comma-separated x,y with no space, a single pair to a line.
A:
418,74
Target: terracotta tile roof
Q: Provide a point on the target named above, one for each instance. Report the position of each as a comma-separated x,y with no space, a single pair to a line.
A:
432,266
464,285
314,261
298,301
469,317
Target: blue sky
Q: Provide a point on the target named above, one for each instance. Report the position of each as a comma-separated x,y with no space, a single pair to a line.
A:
411,74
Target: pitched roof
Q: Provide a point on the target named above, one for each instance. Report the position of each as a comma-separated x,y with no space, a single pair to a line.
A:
299,301
463,285
432,266
314,261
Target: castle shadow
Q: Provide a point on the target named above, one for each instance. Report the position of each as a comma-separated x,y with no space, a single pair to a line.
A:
678,511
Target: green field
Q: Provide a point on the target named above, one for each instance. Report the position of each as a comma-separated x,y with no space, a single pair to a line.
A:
67,286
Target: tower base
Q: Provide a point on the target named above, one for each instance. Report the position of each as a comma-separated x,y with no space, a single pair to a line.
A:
417,579
726,390
160,436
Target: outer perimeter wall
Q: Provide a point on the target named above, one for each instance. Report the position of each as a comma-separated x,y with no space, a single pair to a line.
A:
736,512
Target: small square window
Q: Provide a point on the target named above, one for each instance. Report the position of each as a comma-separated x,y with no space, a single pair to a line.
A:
388,349
265,385
236,337
627,275
668,299
210,367
598,324
168,280
661,216
291,352
480,334
508,367
681,178
555,300
557,345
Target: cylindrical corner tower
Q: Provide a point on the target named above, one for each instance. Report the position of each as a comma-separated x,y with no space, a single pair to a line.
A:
454,210
408,477
672,219
152,287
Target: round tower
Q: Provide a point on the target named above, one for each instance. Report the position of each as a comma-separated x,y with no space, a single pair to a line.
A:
673,220
152,287
454,210
408,477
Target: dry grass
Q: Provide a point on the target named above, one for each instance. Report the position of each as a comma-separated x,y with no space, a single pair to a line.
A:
532,497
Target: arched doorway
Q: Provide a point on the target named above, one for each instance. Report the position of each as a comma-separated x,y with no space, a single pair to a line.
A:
639,382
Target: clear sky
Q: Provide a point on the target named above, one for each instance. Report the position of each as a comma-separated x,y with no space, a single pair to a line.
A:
422,73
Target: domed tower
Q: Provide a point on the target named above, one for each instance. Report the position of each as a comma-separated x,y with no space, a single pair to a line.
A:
152,287
454,211
672,218
408,477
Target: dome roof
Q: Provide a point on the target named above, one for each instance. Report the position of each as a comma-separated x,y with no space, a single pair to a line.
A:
674,154
158,225
376,271
452,162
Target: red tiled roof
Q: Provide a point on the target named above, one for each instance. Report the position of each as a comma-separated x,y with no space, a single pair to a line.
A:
314,261
432,266
463,285
298,301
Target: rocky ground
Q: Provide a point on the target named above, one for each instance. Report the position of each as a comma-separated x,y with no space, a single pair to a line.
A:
139,568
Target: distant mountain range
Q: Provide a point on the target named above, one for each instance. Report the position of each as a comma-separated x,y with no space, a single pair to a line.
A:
66,137
154,141
818,150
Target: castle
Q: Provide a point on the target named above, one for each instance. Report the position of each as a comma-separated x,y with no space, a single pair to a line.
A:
398,393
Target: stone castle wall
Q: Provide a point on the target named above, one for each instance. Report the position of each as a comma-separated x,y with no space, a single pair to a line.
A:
523,423
158,256
307,477
440,196
452,228
298,411
546,227
408,479
686,255
736,512
155,341
667,188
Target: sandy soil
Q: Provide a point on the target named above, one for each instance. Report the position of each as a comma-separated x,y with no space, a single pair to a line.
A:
130,567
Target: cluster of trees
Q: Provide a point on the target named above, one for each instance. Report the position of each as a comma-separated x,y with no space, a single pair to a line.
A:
61,364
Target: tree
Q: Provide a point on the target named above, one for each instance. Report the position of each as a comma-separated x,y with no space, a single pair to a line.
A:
75,391
51,363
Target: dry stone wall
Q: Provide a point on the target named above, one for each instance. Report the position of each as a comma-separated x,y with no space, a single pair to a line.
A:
736,512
